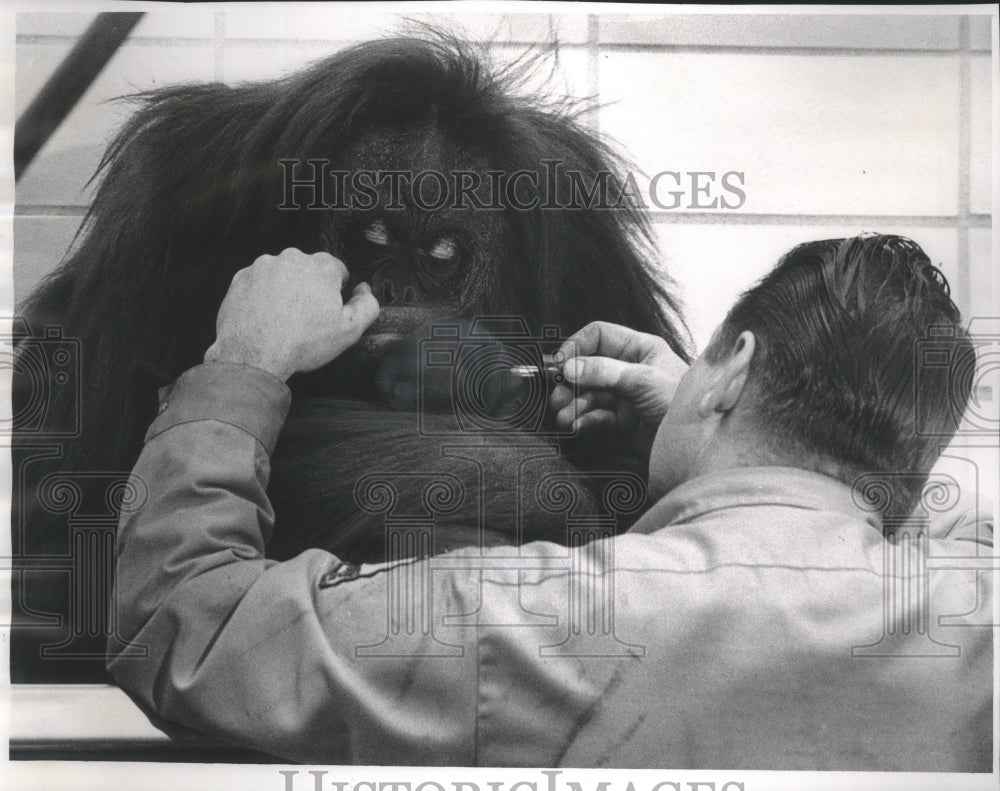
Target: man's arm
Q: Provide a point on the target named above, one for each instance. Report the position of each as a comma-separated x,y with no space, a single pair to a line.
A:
250,649
239,646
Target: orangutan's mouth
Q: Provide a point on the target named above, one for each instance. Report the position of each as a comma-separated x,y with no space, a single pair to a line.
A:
399,321
392,325
377,343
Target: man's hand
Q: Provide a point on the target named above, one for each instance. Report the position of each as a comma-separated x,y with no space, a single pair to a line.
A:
284,314
625,380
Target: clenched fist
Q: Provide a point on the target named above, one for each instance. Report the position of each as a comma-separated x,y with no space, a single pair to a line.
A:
284,314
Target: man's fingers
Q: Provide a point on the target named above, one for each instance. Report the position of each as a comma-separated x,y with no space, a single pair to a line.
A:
361,309
632,380
599,418
285,313
583,417
589,401
338,266
610,340
604,373
561,396
596,399
598,337
295,259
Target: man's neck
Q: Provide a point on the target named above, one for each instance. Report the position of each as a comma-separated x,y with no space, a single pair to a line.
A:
742,445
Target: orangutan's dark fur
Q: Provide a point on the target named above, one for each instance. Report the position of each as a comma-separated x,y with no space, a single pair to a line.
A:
189,195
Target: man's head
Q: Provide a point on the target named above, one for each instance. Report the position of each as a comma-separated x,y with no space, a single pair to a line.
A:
816,367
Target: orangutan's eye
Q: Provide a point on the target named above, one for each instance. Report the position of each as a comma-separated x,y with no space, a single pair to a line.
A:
377,233
444,249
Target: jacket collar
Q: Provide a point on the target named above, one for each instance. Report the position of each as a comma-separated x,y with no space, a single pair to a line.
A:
749,486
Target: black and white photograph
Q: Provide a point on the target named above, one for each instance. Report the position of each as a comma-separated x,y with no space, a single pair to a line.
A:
499,396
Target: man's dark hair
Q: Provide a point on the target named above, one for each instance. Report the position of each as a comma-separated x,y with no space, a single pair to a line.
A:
836,378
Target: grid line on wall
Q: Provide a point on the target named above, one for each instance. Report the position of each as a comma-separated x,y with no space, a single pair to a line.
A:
593,117
962,287
218,42
589,44
693,217
746,218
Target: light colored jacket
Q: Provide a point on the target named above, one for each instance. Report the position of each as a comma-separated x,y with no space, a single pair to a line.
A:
753,618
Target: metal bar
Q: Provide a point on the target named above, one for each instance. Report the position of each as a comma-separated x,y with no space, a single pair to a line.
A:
70,81
96,722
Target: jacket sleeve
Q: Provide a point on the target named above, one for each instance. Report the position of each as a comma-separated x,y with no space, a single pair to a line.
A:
260,653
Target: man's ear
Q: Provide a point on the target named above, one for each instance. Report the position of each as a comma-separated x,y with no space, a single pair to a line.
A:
729,378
